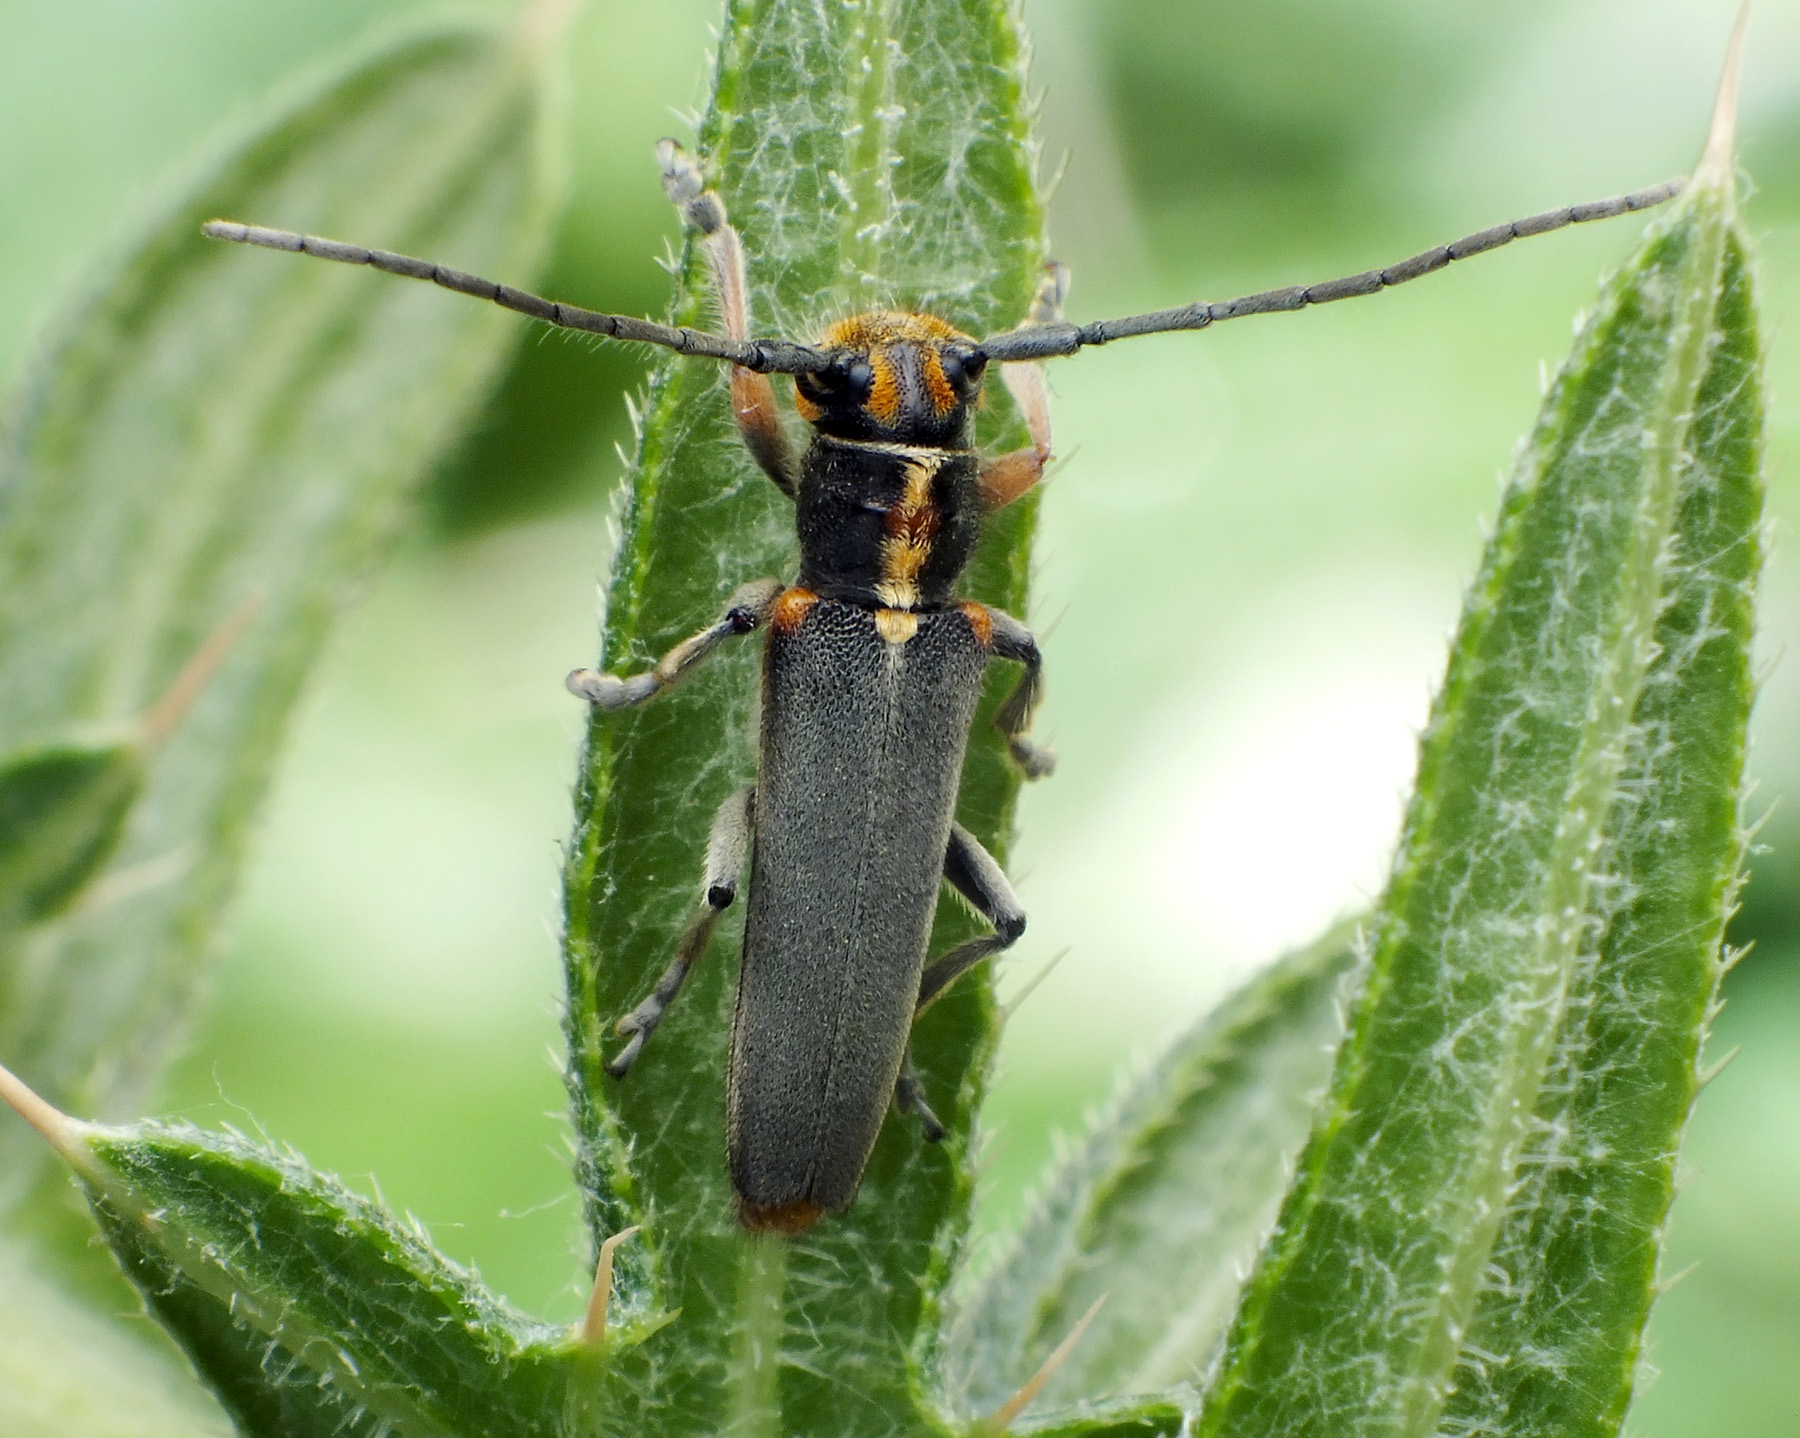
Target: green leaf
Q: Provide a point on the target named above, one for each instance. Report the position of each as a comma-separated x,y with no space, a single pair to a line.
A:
1574,1267
1162,1206
64,803
305,1308
1480,1201
870,154
1134,1419
63,808
213,426
66,1372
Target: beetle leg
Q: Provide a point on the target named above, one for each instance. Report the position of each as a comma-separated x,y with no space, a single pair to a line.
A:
752,396
746,610
1005,638
976,875
909,1097
726,849
1007,476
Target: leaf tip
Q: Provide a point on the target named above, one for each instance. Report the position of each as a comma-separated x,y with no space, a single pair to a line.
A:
1715,161
1002,1417
592,1329
62,1133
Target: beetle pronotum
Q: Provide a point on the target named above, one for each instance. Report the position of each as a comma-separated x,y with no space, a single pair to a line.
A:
871,671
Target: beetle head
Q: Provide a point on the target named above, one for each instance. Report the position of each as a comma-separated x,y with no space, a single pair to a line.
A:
896,377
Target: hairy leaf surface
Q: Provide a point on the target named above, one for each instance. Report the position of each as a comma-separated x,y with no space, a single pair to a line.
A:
1519,1062
1555,1343
1469,1244
306,1309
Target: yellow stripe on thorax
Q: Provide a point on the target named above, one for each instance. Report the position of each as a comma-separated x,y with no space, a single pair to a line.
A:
911,526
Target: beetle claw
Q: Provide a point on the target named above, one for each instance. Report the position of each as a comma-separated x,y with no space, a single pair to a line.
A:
608,691
909,1097
1034,761
621,1066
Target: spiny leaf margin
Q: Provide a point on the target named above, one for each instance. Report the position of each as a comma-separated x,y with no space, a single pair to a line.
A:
1126,1215
307,1309
1355,1319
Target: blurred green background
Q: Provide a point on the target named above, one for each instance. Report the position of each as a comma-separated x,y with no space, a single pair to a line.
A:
1251,554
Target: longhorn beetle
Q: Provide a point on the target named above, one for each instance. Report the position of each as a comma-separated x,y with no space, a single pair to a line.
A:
871,670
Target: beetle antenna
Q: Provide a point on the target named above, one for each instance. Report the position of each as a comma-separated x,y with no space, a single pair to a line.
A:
1044,341
762,356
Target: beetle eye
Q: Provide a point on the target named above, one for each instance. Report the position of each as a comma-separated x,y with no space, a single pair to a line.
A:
963,367
843,381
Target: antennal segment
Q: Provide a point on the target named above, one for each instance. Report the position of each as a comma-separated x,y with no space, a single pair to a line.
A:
1046,341
763,356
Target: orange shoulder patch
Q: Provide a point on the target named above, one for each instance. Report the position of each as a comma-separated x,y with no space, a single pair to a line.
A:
791,608
980,621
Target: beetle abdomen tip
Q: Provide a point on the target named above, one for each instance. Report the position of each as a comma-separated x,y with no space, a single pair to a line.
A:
788,1220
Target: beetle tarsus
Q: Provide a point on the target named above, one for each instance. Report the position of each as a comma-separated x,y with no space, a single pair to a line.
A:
1034,760
745,612
1010,639
727,847
753,403
942,973
642,1021
621,1065
909,1098
609,691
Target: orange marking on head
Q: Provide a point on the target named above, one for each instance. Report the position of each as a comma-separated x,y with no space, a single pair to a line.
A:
887,327
806,409
937,384
785,1219
884,388
980,621
791,608
876,335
